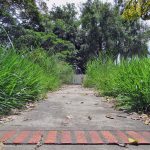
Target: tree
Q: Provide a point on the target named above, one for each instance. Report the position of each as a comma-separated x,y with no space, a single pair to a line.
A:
16,16
100,28
135,9
98,22
106,32
23,12
65,21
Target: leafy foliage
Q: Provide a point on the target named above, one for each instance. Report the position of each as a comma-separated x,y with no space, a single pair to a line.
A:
99,28
129,81
26,78
44,40
135,9
105,31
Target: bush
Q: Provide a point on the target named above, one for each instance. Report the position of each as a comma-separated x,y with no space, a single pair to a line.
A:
129,81
24,79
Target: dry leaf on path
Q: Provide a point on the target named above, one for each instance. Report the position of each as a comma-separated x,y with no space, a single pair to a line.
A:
89,117
144,116
69,117
1,146
109,116
122,145
133,141
27,119
97,95
67,120
135,118
96,104
147,122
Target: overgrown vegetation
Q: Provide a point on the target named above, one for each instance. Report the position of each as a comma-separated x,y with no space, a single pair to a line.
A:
45,41
26,78
129,81
75,38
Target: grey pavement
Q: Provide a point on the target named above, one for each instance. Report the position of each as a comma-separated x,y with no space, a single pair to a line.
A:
78,147
74,108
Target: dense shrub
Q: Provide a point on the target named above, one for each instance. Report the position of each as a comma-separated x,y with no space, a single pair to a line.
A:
27,77
129,81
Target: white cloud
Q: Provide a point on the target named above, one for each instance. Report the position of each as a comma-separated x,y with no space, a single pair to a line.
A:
50,3
62,2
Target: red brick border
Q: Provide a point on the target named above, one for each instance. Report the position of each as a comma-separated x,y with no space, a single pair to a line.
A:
66,137
110,138
95,138
80,137
51,137
74,137
21,137
36,137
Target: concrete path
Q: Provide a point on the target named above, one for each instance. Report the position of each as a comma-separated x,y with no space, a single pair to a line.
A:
74,108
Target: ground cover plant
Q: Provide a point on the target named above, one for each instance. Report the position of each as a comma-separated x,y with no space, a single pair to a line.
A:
129,81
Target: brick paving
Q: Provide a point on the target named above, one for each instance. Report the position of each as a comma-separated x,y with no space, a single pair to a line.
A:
87,137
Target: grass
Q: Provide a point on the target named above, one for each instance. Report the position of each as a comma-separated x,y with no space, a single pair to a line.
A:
27,78
128,81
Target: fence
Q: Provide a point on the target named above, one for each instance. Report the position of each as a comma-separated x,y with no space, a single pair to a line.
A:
78,79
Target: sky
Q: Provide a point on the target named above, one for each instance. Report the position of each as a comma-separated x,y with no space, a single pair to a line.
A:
61,2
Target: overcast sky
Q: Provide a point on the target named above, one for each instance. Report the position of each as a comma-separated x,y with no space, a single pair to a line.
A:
50,3
61,2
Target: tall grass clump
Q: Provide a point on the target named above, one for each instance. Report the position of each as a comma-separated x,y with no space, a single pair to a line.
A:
129,81
60,70
26,78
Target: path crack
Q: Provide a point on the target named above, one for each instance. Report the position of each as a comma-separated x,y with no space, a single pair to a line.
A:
40,143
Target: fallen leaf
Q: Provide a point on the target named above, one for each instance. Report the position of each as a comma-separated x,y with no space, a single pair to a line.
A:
27,119
122,144
147,122
96,104
69,117
109,116
135,118
144,116
89,117
133,141
1,146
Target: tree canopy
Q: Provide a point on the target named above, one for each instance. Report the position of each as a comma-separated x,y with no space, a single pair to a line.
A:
135,9
99,28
